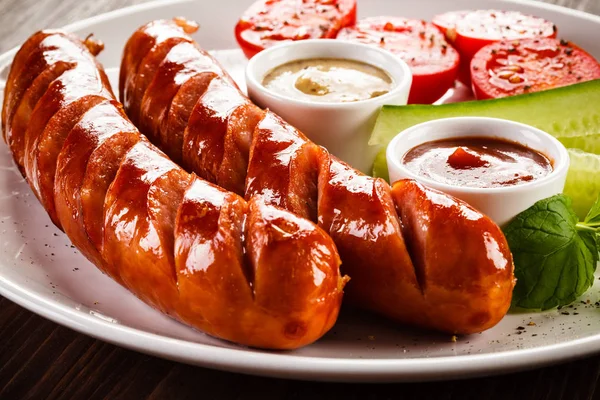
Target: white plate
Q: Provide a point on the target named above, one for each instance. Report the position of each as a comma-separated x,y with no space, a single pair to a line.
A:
40,271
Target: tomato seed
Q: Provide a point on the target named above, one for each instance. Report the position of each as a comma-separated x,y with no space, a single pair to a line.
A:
515,79
505,74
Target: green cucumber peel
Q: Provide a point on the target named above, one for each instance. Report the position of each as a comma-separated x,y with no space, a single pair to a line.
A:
570,113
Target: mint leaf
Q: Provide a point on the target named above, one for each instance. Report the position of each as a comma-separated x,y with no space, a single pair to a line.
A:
554,261
593,217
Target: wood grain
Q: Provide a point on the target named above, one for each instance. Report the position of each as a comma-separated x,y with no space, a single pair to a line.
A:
41,360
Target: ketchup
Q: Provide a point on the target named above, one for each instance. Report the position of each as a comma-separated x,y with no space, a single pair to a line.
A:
478,162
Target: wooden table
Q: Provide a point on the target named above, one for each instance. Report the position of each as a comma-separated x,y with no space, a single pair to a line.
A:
40,359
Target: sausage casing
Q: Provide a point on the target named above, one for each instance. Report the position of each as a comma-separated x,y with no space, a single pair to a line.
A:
415,255
245,271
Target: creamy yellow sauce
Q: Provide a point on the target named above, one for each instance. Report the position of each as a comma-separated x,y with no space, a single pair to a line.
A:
328,80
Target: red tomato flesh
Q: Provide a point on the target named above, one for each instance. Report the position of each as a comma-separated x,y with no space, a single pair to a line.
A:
433,62
514,67
464,159
447,23
269,22
469,31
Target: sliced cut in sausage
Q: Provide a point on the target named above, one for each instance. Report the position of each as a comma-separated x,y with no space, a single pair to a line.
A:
97,125
17,130
43,55
164,195
359,213
283,167
16,82
278,245
179,113
238,139
140,43
214,286
72,73
42,169
462,256
70,87
56,54
203,141
133,249
181,63
146,72
242,287
100,172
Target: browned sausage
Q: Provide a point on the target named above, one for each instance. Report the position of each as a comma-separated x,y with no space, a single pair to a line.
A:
396,269
244,271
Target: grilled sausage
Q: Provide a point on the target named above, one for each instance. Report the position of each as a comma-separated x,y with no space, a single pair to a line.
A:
245,271
415,255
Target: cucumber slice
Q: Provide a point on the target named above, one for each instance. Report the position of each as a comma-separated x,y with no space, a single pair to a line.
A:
571,114
583,179
380,169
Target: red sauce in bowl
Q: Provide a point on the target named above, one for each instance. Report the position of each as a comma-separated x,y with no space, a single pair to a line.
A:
478,162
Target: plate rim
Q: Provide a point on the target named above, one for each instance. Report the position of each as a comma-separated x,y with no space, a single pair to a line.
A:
280,364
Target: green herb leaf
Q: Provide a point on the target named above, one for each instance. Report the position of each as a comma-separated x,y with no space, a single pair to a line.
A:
593,217
554,260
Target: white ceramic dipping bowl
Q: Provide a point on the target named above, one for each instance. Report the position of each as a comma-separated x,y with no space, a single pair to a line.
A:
342,128
501,204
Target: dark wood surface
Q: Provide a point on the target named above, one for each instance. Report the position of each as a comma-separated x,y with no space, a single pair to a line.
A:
42,360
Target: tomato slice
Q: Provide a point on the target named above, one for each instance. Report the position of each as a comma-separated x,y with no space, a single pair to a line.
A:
522,66
447,23
269,22
469,31
434,63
